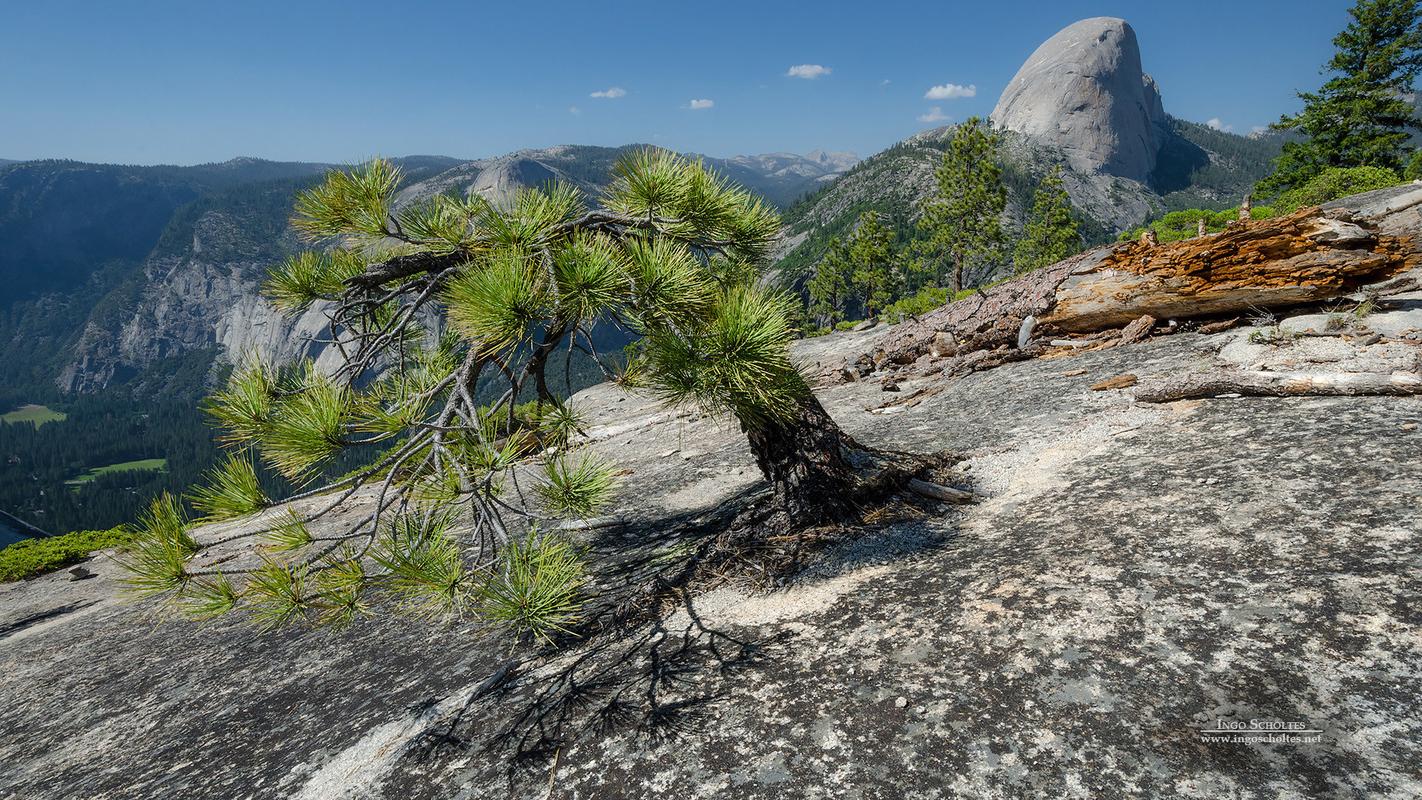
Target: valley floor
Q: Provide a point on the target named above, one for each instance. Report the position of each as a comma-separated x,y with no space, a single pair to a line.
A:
1137,575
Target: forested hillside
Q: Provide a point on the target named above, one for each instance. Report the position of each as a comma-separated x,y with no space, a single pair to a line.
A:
1198,167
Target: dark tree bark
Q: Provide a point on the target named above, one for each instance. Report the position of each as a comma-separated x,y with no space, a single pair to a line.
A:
805,460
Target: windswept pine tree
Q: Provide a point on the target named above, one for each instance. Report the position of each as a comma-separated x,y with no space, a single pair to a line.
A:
1051,233
1363,115
673,255
960,221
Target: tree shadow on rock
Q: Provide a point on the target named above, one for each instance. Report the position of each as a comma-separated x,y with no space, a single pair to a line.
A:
645,663
663,680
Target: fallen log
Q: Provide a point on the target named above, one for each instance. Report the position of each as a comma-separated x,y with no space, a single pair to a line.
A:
1312,255
1281,384
938,491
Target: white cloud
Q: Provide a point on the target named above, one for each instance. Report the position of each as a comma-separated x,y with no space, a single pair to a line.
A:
610,94
697,105
574,110
808,71
885,82
1218,124
950,91
934,114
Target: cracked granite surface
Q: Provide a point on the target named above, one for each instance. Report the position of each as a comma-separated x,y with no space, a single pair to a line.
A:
1136,574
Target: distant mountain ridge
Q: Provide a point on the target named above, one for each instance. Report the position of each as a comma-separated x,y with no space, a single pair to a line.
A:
115,275
780,178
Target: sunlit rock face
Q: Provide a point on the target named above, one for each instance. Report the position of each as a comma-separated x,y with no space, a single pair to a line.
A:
1084,90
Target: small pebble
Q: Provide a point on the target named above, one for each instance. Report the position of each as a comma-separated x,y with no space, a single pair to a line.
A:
902,702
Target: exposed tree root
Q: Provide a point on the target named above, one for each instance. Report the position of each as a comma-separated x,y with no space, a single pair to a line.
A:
760,545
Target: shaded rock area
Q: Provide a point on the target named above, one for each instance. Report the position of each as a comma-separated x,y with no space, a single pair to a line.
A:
1135,574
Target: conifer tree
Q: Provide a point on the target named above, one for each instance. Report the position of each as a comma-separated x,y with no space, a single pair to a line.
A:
871,252
960,222
1361,117
829,288
1051,233
674,255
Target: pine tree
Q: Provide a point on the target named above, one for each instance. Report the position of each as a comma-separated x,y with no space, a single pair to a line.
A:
1361,117
960,222
675,255
871,252
829,287
1051,232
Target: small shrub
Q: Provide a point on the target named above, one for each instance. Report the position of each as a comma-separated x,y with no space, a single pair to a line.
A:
1413,171
847,324
33,557
1275,336
1181,225
1334,183
927,299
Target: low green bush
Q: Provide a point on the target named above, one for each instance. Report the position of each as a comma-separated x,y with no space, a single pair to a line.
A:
927,299
1185,224
33,557
1334,183
1413,171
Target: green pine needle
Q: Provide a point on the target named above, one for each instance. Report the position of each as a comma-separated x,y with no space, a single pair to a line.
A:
244,407
278,594
424,568
308,277
498,302
291,534
577,488
232,490
157,559
307,428
356,202
589,281
341,585
207,598
536,586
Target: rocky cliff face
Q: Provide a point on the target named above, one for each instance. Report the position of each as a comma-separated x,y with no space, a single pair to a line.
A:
200,291
1084,92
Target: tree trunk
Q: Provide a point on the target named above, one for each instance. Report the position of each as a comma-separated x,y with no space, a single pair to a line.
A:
1312,255
804,458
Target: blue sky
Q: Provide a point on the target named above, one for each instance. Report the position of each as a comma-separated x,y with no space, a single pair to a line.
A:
186,82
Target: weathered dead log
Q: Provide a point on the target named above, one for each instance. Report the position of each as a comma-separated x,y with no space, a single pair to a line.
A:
1138,330
938,491
1281,384
1124,381
1306,257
